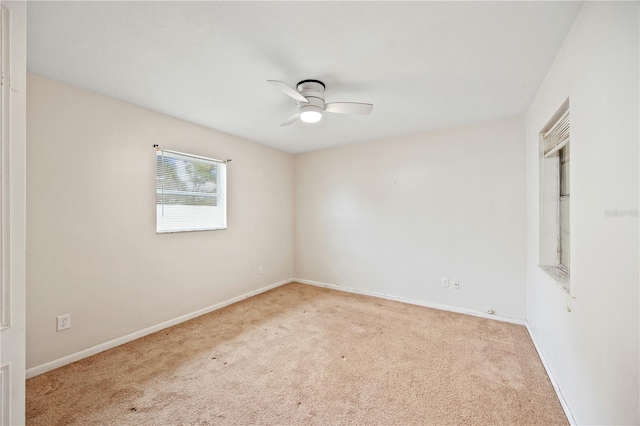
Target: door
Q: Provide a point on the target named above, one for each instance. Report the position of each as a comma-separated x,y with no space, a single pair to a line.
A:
12,211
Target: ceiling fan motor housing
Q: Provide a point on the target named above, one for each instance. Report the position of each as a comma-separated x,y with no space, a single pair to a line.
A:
313,90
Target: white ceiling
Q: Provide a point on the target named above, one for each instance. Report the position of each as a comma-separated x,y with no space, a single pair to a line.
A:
424,65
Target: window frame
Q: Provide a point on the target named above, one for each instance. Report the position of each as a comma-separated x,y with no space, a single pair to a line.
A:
219,195
554,193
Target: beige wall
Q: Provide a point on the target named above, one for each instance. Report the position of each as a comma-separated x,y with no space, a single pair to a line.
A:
92,250
395,215
593,350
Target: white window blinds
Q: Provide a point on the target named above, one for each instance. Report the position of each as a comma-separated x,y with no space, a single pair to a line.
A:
190,193
557,136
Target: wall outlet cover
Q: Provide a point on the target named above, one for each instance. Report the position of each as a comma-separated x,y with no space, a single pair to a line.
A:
63,322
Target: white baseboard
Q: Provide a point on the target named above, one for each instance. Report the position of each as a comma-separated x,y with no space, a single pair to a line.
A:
413,302
554,382
43,368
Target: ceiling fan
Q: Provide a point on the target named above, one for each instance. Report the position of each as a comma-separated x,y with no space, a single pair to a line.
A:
309,97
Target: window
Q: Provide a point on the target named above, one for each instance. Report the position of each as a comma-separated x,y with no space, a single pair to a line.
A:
555,229
190,193
563,206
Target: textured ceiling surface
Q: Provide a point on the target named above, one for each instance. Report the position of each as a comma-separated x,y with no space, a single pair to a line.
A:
424,65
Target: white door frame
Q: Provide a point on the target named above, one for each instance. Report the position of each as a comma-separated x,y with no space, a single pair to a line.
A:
12,215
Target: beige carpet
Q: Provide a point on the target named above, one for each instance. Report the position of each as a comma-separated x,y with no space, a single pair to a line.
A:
304,355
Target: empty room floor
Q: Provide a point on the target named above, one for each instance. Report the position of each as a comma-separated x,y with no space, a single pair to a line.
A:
306,355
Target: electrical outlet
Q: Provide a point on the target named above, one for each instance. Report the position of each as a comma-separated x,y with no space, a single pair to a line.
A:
456,285
261,269
63,322
445,282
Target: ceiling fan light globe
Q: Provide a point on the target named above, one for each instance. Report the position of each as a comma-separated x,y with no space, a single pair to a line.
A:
311,116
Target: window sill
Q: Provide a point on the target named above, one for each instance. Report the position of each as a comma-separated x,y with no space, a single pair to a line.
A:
560,277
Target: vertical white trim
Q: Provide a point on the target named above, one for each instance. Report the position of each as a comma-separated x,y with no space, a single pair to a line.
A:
5,296
5,395
14,204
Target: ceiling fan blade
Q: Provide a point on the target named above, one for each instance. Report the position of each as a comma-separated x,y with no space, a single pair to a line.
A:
289,121
349,108
288,90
